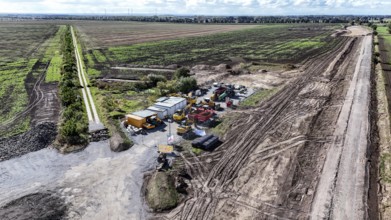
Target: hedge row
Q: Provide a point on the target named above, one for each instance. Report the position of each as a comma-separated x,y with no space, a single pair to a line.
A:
74,124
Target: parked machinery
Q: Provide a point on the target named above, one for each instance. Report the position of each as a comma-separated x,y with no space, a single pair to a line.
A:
222,92
184,127
208,102
179,115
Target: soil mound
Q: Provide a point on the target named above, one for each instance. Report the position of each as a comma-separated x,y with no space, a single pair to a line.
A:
42,206
35,139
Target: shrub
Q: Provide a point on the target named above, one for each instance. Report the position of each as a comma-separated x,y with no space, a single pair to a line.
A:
155,79
181,72
187,84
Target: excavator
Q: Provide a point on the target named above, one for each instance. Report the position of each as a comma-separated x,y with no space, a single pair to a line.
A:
211,104
184,127
179,115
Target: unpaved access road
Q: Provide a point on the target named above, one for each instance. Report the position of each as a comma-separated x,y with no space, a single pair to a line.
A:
272,159
95,183
341,191
92,114
142,69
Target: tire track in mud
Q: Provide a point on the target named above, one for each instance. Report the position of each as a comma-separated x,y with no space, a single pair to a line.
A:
35,99
281,110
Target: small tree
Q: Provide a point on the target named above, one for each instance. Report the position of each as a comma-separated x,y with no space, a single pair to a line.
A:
374,27
181,72
187,84
389,27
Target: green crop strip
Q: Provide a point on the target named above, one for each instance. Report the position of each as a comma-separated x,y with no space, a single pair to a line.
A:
53,54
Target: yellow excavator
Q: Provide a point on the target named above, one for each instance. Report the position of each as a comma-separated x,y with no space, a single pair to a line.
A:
209,103
179,115
184,127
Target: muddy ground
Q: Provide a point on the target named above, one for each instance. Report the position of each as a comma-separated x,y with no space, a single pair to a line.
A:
39,137
37,206
270,164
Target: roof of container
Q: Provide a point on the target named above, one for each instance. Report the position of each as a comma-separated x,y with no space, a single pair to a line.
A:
162,99
164,104
144,113
170,101
154,108
134,116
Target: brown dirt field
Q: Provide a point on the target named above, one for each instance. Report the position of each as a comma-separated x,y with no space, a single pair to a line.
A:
107,34
269,165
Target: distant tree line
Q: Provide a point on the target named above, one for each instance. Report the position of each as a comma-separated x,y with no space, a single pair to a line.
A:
74,123
215,19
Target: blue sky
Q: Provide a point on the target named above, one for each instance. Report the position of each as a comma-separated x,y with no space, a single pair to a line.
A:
199,7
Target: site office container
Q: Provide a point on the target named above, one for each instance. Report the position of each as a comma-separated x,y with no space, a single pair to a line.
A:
171,104
135,120
161,113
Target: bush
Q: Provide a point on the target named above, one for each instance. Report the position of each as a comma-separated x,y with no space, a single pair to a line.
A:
181,72
155,79
187,84
167,87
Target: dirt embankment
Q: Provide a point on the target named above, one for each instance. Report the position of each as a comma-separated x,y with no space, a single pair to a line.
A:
269,164
38,206
39,137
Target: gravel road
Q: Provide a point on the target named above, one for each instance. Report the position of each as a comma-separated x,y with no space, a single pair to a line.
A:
95,183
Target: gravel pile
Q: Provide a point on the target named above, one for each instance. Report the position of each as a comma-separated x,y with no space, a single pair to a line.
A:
35,139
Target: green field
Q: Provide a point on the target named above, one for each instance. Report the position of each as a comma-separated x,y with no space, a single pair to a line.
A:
53,53
267,43
22,59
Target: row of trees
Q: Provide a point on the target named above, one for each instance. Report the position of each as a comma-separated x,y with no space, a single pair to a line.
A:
74,123
219,19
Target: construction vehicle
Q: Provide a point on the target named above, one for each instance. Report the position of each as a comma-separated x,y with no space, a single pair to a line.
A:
211,104
143,119
190,99
222,92
179,115
154,120
201,115
184,127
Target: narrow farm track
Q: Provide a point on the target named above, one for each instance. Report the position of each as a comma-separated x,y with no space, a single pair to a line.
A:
270,164
92,114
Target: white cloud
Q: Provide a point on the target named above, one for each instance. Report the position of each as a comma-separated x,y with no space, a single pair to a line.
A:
222,7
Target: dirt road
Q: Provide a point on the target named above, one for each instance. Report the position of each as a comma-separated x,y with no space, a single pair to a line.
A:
270,163
92,113
341,191
143,69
